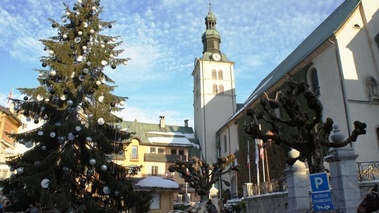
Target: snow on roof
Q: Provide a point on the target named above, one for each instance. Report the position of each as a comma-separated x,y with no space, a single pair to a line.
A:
157,182
170,140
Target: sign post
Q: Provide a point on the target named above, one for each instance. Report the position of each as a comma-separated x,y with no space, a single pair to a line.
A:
321,196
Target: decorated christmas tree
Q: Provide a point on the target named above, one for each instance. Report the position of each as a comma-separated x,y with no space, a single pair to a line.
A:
69,166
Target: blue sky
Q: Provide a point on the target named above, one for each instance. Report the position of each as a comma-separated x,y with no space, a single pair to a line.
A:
163,37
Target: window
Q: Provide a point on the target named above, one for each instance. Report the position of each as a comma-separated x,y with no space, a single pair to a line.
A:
154,170
160,150
181,151
215,89
376,38
377,134
225,144
153,150
221,89
155,201
313,80
214,74
24,126
371,88
173,151
134,154
220,75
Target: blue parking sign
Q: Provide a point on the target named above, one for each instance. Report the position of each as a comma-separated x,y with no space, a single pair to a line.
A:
319,182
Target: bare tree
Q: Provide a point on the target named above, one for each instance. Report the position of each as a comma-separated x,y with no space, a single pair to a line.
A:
201,176
300,126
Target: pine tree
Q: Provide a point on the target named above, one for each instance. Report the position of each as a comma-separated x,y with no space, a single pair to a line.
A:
70,166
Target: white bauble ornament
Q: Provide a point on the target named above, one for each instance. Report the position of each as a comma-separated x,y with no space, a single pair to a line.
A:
67,13
104,167
84,47
63,97
51,52
52,134
70,102
92,31
88,139
45,183
80,33
104,62
85,24
65,36
70,136
94,8
20,170
79,58
29,144
114,39
122,103
102,45
106,190
98,83
101,98
40,133
53,73
125,62
78,128
92,161
39,98
101,121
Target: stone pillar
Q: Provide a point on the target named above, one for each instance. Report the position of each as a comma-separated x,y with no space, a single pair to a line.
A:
247,189
297,184
344,179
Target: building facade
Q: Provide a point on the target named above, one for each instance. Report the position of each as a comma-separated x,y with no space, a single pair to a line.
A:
154,147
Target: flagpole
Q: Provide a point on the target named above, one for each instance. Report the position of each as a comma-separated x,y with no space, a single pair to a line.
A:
257,163
248,160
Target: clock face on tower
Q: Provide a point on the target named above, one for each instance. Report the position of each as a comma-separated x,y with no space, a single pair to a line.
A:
216,56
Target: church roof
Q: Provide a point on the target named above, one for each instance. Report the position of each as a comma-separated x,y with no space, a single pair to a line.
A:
321,34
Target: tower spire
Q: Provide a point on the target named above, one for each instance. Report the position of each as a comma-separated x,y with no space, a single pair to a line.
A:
210,5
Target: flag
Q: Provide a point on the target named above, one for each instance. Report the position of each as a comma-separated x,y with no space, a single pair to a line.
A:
256,152
10,95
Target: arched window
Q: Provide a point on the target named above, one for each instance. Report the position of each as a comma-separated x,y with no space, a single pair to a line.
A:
214,74
313,80
220,75
214,88
371,87
221,89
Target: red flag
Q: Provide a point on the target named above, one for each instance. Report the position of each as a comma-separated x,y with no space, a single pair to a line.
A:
10,95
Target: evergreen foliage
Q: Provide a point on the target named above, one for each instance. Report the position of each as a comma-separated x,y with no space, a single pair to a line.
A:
70,166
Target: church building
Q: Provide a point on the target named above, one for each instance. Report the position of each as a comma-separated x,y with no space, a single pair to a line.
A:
339,60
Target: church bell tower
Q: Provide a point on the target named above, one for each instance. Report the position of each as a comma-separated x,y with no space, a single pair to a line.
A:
214,98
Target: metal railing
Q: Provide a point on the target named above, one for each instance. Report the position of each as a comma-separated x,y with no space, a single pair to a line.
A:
275,185
368,171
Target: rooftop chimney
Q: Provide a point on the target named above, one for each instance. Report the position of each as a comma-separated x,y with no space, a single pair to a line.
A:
162,122
186,123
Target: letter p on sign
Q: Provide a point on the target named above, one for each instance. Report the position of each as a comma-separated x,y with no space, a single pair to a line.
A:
319,182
